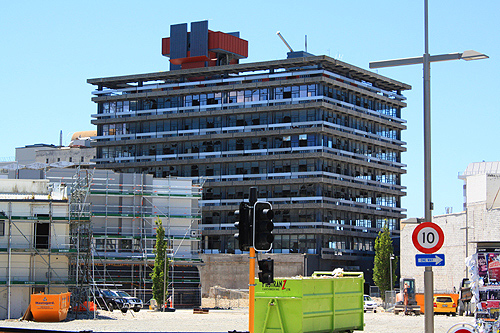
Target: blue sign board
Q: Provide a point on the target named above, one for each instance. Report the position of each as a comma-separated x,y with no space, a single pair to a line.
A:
429,259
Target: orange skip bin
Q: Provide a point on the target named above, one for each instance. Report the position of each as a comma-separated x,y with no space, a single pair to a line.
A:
49,307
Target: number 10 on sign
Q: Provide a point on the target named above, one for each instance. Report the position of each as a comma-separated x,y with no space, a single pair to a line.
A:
428,237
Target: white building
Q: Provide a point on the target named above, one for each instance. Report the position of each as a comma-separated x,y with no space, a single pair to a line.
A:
479,222
45,224
34,242
123,209
78,152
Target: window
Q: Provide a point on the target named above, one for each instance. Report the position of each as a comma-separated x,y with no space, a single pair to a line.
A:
81,159
287,92
286,142
110,244
99,244
2,228
71,159
125,244
303,140
42,235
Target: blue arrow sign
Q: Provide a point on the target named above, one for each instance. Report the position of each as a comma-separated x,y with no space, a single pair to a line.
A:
429,259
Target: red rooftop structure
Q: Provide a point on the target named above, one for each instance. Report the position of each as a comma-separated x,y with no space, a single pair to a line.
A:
202,47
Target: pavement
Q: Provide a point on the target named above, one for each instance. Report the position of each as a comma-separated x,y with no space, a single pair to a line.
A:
215,321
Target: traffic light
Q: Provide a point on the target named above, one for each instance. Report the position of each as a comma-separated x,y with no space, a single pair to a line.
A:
263,226
266,274
244,226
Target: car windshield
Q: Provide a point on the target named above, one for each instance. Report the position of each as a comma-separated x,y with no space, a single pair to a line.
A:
108,293
367,298
122,293
444,299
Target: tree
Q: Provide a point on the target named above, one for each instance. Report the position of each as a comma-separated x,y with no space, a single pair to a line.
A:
160,269
381,265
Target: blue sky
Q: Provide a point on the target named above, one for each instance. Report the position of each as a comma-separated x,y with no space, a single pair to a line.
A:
50,48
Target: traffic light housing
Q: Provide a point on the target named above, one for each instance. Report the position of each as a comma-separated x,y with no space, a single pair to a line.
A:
244,225
266,274
263,226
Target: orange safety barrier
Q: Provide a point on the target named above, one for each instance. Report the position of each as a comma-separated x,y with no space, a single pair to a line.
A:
85,306
420,300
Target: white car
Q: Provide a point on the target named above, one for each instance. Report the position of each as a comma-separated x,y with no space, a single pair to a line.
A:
369,305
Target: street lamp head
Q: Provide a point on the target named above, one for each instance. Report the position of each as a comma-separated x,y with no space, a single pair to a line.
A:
473,55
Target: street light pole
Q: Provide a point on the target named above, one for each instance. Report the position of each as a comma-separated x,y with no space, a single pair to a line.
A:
426,59
164,279
390,270
428,274
390,274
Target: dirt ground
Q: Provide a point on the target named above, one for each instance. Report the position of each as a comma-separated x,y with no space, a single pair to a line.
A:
220,320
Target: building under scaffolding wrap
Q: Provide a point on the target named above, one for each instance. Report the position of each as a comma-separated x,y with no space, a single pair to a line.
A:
123,209
84,229
34,242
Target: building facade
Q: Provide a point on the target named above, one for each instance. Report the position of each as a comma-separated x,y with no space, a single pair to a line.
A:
464,232
319,138
123,210
77,153
75,229
35,250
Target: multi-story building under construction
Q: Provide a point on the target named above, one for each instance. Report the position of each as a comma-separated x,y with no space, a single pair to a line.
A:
35,242
318,137
124,209
78,230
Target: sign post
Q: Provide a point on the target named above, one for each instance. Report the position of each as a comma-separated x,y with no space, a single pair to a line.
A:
428,238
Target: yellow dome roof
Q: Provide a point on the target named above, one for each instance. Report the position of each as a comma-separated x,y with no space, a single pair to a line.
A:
83,134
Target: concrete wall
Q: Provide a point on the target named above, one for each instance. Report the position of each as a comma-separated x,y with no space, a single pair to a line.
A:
483,188
231,270
20,299
67,154
475,189
24,186
493,191
483,225
449,276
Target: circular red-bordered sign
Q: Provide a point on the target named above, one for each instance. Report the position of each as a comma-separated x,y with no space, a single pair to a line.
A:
428,237
461,328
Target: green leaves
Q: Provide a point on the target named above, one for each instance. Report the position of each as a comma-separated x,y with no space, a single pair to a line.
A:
381,266
160,268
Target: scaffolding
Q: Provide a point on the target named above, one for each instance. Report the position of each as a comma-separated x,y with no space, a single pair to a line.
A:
96,228
124,210
34,219
80,230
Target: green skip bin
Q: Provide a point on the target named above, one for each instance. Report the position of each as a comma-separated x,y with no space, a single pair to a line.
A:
324,302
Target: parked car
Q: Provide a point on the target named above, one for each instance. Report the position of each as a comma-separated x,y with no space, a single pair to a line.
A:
369,305
445,304
109,300
135,303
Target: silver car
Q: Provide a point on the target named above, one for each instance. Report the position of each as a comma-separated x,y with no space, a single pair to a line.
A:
134,302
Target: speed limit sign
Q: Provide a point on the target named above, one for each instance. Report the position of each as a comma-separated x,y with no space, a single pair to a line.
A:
461,328
428,237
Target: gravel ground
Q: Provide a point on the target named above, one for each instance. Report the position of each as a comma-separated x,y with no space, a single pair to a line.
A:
390,323
219,321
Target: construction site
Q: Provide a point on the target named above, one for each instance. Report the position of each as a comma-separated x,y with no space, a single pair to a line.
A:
79,230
